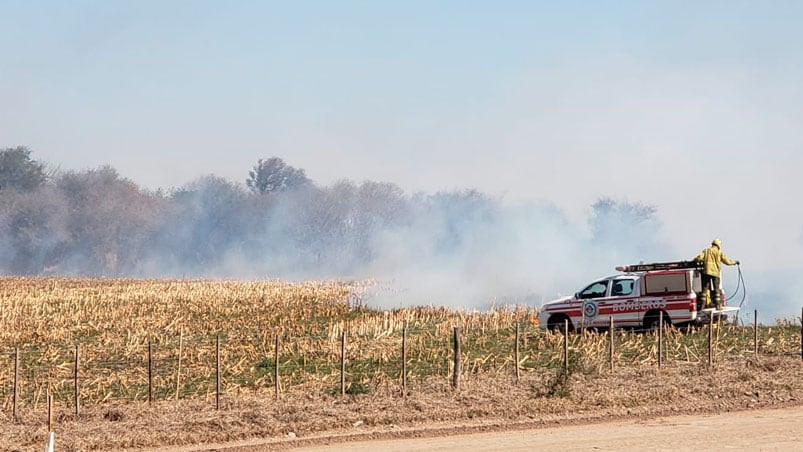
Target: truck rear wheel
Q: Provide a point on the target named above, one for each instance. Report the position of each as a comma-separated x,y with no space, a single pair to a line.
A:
652,321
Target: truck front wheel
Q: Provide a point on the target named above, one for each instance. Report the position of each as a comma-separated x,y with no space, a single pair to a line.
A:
556,323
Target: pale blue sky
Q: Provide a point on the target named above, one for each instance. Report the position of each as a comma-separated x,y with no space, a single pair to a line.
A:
694,107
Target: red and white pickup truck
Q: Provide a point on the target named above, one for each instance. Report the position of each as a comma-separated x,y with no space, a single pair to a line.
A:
635,298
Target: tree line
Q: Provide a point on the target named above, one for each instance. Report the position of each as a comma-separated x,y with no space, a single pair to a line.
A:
276,222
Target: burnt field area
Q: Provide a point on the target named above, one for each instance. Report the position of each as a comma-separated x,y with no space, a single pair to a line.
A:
144,364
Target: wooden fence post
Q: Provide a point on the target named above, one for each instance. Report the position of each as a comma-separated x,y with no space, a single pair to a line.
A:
611,332
516,354
49,409
16,382
150,371
404,361
217,371
276,366
660,338
710,340
49,445
343,363
178,369
755,332
76,392
456,373
566,345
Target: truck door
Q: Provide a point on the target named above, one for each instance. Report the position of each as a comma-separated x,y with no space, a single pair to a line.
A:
593,299
622,303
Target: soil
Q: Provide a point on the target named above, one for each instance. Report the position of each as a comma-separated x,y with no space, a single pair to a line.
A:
604,401
777,429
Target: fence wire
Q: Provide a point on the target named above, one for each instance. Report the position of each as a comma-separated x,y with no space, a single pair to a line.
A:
187,366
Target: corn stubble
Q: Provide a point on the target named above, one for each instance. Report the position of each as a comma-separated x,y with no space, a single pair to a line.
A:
113,320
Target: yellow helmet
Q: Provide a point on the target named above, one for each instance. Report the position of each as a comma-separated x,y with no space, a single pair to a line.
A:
717,243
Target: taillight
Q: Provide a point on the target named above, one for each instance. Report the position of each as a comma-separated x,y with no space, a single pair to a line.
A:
693,303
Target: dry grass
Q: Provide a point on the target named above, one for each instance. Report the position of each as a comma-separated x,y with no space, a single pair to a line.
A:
112,321
484,399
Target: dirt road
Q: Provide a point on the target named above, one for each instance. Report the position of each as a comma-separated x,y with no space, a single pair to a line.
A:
776,430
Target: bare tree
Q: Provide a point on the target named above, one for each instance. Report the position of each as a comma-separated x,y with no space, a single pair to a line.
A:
210,218
110,221
626,230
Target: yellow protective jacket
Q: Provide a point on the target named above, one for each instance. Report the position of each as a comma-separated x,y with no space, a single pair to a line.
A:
712,259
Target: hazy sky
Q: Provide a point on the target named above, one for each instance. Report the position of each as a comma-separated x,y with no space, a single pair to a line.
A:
694,107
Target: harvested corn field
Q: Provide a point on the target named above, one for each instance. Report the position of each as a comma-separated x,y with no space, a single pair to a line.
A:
115,350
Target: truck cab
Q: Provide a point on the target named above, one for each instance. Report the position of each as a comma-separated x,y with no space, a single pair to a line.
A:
637,298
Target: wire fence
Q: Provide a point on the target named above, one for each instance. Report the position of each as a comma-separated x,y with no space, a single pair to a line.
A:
226,364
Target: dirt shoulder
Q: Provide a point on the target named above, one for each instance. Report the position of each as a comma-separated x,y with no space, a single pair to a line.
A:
776,429
485,403
753,429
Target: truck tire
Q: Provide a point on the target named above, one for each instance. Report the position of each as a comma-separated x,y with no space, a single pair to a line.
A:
556,323
652,319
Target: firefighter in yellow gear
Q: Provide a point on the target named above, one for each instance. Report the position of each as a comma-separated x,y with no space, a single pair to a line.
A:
712,259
